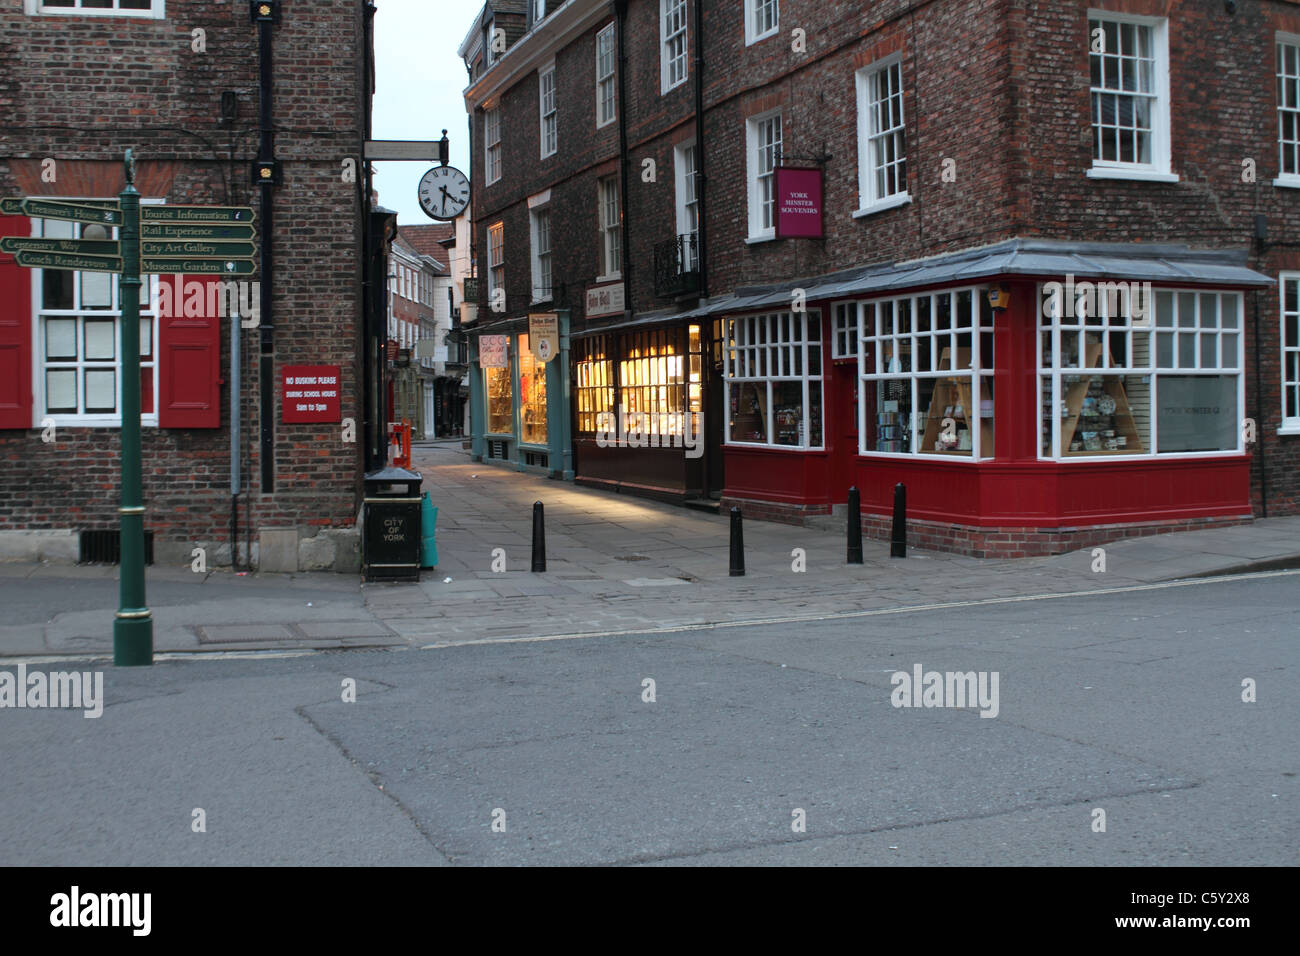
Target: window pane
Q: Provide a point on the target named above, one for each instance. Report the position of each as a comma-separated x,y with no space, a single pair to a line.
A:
101,390
101,337
61,390
61,339
1198,413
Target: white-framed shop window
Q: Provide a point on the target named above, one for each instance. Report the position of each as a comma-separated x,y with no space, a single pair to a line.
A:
672,44
1129,86
1126,370
772,366
492,144
844,331
77,350
149,9
549,126
606,86
763,155
1288,110
762,19
925,362
1289,340
882,136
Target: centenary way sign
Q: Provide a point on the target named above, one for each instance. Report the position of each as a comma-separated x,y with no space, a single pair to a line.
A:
90,247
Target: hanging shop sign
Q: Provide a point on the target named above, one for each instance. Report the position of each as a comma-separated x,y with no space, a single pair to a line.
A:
493,351
605,300
799,203
544,335
310,394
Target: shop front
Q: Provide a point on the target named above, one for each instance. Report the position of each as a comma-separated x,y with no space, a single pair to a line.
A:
639,400
519,401
1026,410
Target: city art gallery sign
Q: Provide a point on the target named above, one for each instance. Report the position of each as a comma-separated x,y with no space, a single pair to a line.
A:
799,203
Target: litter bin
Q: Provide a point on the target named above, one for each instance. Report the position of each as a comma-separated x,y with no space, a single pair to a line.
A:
391,537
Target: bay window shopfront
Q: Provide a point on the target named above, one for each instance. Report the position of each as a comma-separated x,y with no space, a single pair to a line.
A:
518,404
1020,420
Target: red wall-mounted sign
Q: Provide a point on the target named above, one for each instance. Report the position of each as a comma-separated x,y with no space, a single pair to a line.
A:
799,203
310,393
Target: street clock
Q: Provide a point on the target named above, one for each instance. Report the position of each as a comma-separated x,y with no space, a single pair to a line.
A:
444,193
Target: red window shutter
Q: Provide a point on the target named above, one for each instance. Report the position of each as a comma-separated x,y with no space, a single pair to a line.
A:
189,357
15,332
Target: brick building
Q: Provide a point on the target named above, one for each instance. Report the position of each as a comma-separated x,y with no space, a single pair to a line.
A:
441,358
199,91
1047,293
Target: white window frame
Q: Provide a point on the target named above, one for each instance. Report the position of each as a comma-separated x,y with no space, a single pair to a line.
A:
38,8
1289,354
1285,178
870,137
673,15
606,82
610,219
845,323
686,159
496,257
543,271
754,174
753,9
548,128
769,359
1050,377
1159,169
492,145
878,334
38,317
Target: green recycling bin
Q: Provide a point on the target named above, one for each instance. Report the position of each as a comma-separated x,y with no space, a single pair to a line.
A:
428,538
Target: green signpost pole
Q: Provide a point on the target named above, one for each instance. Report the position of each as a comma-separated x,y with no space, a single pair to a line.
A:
133,627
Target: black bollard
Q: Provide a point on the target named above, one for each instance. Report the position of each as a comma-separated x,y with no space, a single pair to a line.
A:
855,526
539,538
737,544
898,537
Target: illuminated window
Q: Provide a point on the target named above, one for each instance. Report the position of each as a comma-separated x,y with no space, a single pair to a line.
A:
532,396
773,371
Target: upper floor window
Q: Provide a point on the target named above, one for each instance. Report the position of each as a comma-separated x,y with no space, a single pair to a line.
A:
1289,283
882,147
762,19
611,229
542,275
763,137
1130,97
492,144
672,50
550,119
110,8
496,266
686,165
1288,110
539,10
606,104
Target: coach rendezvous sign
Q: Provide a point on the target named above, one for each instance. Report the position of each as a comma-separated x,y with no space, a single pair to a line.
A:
799,203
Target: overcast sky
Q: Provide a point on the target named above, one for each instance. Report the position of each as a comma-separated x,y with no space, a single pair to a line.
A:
419,80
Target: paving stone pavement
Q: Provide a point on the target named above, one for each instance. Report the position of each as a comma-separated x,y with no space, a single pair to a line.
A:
615,563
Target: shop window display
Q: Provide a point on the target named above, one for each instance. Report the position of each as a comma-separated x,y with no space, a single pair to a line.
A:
773,366
532,396
501,416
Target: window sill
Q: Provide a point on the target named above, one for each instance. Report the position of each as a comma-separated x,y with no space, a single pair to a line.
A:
1287,181
613,277
751,40
755,240
1290,428
1137,175
607,123
899,199
665,90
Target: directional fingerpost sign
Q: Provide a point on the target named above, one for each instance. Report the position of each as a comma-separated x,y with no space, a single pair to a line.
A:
72,211
202,267
93,247
189,230
196,214
197,249
77,263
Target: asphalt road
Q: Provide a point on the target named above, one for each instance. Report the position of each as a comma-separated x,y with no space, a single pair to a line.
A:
1129,703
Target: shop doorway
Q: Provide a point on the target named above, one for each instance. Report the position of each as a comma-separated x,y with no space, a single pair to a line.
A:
844,437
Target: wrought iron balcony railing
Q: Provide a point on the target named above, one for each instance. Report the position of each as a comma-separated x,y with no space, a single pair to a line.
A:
677,266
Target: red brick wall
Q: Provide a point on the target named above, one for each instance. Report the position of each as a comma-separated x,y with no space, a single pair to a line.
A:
82,90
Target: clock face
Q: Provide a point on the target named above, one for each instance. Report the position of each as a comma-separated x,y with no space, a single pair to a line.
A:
443,192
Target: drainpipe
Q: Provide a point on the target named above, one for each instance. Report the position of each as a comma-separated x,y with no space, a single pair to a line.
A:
700,179
620,12
266,153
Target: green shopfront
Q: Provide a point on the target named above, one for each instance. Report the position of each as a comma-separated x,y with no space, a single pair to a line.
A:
519,395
